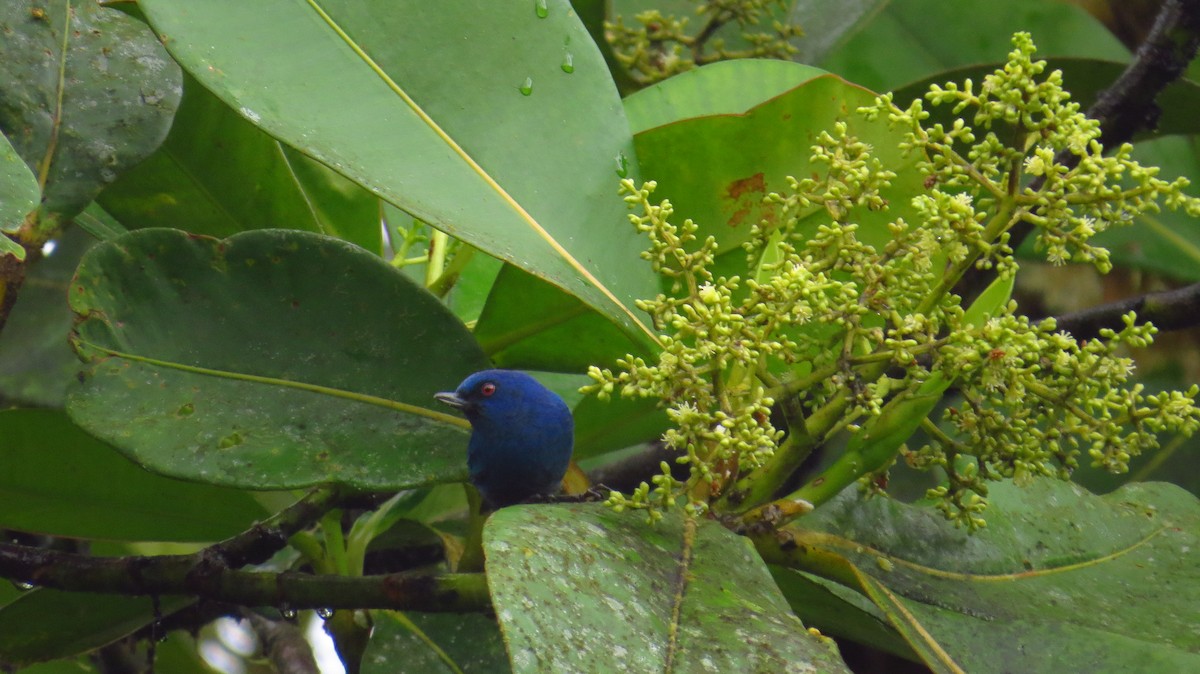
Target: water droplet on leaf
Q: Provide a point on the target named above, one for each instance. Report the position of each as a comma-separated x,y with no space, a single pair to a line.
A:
527,87
542,10
568,64
23,586
324,613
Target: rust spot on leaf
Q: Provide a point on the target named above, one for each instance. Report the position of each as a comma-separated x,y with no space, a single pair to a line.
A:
755,183
743,200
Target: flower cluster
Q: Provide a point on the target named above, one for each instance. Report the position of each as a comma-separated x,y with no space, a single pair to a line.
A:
1033,399
659,46
846,332
1025,126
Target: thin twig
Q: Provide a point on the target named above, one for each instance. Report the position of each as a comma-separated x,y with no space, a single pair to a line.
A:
1169,310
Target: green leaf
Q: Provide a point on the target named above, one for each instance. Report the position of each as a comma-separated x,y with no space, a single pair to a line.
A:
272,359
9,246
247,180
19,191
61,481
1083,583
838,611
36,361
88,92
602,426
45,624
716,167
990,302
909,40
582,588
532,181
725,88
434,642
528,324
828,24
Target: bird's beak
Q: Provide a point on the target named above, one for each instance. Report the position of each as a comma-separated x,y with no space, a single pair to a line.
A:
450,398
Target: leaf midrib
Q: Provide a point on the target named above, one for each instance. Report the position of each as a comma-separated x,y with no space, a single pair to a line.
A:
479,170
365,398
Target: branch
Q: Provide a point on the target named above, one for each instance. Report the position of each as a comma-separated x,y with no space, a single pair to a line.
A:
256,544
1168,310
627,473
204,576
1128,106
212,574
284,645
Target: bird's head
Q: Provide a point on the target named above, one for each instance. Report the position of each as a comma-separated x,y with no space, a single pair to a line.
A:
503,396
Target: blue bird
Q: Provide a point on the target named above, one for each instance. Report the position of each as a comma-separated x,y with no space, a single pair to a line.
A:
522,434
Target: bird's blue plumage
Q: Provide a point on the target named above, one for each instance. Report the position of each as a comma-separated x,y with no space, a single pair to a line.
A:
521,435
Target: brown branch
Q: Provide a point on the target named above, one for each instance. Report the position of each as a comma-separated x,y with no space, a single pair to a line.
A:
627,473
206,577
284,645
1168,310
1129,106
212,573
256,544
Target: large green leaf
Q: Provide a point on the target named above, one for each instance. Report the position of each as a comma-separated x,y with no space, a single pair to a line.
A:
1060,580
716,163
45,624
727,88
527,324
839,611
19,194
272,359
218,174
604,425
911,39
85,92
441,643
61,481
829,23
491,140
36,362
582,588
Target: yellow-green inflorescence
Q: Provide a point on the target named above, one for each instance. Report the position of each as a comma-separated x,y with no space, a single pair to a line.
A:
845,337
656,45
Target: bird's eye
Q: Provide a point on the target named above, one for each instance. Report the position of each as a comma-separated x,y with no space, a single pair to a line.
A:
487,389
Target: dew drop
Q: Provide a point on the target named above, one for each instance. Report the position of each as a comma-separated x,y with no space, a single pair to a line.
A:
526,87
22,585
324,613
568,64
287,612
542,10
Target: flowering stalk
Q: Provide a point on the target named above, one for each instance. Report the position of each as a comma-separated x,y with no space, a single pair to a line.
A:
863,340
